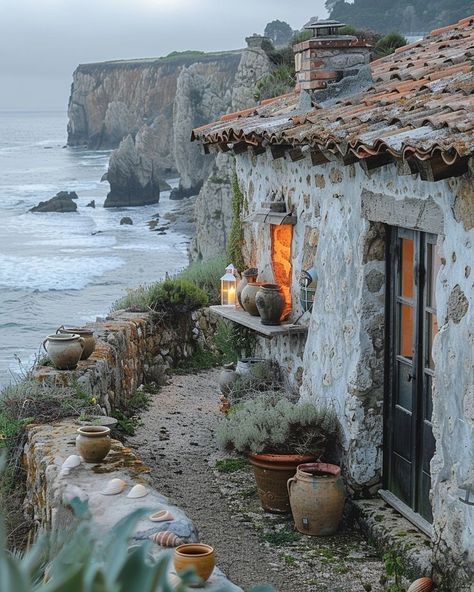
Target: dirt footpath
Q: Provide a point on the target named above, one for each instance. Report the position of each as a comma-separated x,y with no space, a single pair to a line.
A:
176,440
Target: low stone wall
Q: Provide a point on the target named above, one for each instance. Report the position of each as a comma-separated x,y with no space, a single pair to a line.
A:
50,490
133,349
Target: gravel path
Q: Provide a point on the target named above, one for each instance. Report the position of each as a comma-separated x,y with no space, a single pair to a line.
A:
176,440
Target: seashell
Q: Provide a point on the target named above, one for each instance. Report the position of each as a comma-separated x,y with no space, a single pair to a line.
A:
421,585
71,462
137,491
161,516
114,487
166,539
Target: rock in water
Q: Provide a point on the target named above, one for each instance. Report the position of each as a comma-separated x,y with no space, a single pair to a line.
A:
61,202
91,204
126,220
132,178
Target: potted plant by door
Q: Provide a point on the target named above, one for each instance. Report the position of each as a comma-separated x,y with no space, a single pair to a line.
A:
277,434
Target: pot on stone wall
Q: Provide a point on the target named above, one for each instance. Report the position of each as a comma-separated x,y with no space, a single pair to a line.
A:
272,472
86,334
249,276
198,556
93,443
248,298
64,350
270,304
317,498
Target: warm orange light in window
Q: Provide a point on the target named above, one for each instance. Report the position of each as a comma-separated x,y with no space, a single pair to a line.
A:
281,261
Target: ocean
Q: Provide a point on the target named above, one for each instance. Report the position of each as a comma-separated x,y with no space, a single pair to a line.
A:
65,268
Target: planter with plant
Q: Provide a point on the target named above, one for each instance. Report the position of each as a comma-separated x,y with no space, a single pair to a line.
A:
277,434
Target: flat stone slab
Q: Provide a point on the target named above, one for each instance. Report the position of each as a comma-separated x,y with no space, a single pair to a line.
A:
50,489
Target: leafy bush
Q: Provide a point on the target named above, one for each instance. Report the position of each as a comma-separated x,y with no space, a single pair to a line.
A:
272,423
263,377
389,44
234,341
206,274
280,81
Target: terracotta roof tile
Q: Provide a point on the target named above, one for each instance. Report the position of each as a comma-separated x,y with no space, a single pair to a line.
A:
421,103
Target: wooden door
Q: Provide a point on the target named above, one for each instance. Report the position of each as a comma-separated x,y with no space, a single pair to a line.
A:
411,326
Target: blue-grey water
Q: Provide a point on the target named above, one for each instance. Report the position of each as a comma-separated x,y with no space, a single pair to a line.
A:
65,268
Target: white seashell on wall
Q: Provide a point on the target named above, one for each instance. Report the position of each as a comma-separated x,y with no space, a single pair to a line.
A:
161,516
137,491
114,487
72,461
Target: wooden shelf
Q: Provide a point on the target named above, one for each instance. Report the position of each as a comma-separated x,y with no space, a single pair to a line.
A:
243,318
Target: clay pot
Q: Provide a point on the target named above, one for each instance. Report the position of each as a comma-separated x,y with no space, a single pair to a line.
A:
196,555
421,585
244,366
93,443
270,304
272,472
64,350
248,298
249,276
86,334
317,498
227,378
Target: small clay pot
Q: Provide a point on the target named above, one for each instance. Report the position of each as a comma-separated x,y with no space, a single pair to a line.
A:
93,443
248,298
249,276
227,378
270,304
86,334
196,555
64,350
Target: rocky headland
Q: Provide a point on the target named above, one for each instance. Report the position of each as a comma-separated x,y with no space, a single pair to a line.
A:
61,202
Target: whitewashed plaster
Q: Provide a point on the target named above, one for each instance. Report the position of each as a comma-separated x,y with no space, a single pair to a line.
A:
343,356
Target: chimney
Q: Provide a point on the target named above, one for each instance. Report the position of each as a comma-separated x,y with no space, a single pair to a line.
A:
327,56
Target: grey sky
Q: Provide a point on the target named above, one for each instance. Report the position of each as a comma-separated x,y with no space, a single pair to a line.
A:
42,41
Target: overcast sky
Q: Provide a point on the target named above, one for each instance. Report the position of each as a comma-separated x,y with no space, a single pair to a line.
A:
42,41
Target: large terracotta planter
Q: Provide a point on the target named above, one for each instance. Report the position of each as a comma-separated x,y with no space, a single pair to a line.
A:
93,443
317,498
64,350
270,304
272,472
248,298
198,556
86,334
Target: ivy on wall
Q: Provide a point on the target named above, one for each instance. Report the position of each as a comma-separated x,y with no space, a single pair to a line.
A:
236,236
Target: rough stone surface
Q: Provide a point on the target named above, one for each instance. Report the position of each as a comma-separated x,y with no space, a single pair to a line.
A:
132,177
457,305
61,202
49,491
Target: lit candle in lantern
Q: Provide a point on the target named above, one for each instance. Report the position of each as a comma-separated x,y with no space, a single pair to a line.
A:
228,286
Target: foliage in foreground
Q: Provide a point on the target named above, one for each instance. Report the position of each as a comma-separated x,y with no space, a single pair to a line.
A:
271,423
76,561
206,274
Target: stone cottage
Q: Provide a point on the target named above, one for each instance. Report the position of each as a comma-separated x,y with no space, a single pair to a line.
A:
364,175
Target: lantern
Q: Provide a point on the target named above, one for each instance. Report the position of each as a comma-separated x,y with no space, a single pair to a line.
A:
308,288
228,286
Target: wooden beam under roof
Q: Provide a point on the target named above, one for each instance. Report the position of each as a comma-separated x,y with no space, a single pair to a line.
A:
317,157
240,147
374,162
278,151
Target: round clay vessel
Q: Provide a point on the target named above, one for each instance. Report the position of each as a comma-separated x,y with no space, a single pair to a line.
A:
249,276
317,498
227,378
421,585
270,303
248,298
196,555
272,472
64,350
93,443
86,334
245,365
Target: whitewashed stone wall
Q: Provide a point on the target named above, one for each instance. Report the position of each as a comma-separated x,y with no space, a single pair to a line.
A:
343,357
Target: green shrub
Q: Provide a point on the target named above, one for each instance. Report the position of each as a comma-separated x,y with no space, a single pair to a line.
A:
389,44
271,423
234,342
236,237
206,274
279,82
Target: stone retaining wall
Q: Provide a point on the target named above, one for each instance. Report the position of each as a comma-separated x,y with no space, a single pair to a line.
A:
133,349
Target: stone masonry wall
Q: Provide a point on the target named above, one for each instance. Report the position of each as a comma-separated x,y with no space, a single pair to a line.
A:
132,349
343,357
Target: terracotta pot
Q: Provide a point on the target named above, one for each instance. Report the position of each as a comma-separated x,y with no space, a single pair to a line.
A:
248,298
270,304
93,443
196,555
317,498
249,276
421,585
64,350
272,472
86,334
